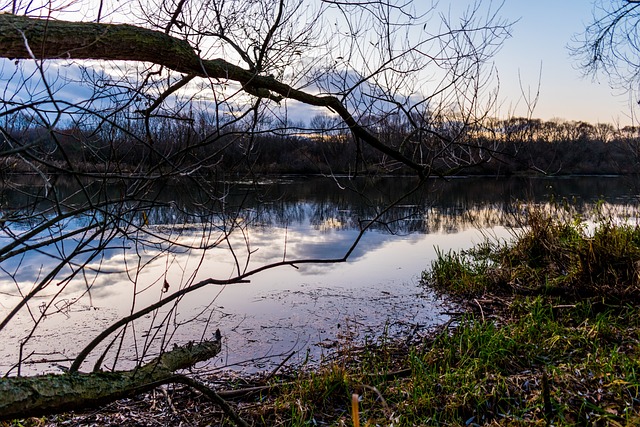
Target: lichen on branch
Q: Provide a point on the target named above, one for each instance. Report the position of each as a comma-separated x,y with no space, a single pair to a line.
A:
46,394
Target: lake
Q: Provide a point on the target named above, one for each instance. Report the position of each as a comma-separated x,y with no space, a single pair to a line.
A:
308,309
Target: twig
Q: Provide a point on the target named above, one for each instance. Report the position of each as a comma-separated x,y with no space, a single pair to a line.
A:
169,402
215,397
481,311
279,366
229,394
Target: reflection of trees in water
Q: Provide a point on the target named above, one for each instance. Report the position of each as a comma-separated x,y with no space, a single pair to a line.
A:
441,207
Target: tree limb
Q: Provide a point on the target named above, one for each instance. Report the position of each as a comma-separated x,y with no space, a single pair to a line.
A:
52,39
46,394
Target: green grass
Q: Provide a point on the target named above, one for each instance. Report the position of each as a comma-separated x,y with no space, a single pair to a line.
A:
487,372
552,257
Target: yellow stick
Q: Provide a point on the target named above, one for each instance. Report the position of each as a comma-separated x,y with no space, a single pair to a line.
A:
355,414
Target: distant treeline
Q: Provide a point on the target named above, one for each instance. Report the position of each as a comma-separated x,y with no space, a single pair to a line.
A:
494,147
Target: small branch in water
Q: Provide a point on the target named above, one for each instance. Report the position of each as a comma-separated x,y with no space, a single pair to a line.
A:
280,365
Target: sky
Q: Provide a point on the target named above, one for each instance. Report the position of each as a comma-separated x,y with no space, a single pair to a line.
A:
538,54
539,42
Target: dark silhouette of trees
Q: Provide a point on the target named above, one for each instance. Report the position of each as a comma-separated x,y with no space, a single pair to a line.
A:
324,146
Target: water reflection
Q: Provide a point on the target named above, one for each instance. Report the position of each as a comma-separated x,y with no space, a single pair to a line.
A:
175,243
332,204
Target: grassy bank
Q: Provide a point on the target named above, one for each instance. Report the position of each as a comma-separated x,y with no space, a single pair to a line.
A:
549,334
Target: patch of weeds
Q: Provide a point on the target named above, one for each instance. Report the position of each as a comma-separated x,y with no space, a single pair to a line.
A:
548,256
463,273
609,260
495,374
324,396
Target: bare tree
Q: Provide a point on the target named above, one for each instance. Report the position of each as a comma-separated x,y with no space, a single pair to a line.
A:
611,43
104,106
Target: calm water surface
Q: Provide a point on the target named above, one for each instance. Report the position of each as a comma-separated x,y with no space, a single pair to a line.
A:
309,310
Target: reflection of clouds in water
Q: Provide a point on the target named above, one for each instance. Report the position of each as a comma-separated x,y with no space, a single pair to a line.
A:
315,269
149,264
280,311
118,271
59,335
303,243
28,269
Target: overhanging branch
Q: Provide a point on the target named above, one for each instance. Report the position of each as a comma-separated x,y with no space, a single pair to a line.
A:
52,39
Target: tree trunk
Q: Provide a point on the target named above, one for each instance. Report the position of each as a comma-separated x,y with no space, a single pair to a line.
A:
22,397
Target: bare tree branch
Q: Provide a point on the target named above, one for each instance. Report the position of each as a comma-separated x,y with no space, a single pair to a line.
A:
73,40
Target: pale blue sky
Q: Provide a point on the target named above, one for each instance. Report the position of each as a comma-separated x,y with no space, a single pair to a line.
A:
540,38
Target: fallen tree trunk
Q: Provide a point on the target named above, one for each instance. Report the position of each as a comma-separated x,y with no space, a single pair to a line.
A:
22,397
